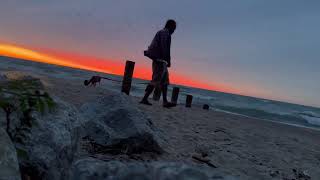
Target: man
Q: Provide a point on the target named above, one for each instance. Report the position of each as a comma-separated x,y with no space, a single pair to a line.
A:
159,52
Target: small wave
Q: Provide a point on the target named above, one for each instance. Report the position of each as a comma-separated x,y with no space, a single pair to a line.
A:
310,114
312,120
311,117
260,114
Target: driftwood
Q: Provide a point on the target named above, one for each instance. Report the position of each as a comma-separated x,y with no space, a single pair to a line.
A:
203,160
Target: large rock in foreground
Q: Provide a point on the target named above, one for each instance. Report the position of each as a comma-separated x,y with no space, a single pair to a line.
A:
9,165
90,168
50,146
115,123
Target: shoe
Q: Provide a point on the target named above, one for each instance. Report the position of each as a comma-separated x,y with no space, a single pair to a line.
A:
145,102
169,105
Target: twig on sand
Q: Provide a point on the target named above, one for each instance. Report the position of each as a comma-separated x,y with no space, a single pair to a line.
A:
220,130
203,160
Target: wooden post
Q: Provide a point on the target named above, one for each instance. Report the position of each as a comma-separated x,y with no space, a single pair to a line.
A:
189,100
127,77
175,95
157,94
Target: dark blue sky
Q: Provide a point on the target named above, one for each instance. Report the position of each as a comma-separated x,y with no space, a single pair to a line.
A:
264,48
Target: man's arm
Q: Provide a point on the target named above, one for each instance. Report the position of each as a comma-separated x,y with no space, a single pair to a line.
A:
165,47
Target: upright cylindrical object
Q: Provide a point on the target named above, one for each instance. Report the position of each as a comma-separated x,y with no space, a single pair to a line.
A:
175,95
127,77
189,100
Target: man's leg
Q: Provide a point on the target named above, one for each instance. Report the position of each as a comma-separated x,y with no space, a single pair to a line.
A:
157,93
150,86
164,96
164,87
148,91
164,93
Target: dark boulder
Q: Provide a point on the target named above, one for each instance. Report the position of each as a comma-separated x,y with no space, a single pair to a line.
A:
115,123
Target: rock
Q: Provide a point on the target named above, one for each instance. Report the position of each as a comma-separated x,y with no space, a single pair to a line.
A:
3,78
274,173
299,174
90,168
205,107
9,165
305,175
203,149
116,124
49,148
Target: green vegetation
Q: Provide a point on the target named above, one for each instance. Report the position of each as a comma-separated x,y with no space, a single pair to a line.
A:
23,97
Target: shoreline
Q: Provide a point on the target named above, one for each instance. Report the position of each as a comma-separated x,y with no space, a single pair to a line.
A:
261,119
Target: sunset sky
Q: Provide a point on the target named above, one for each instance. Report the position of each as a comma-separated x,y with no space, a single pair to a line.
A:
267,49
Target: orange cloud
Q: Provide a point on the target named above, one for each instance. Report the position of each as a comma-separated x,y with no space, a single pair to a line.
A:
94,64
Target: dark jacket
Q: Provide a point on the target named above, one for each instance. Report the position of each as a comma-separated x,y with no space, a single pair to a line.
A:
160,46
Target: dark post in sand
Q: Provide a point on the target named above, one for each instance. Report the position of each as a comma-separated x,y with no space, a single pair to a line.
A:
127,77
189,100
205,107
175,95
157,94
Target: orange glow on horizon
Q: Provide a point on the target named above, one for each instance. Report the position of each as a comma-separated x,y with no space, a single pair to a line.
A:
27,54
94,64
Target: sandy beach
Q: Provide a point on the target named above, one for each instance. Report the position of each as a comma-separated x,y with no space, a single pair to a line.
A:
240,146
244,147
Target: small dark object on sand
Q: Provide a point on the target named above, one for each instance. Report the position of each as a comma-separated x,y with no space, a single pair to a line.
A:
203,160
206,106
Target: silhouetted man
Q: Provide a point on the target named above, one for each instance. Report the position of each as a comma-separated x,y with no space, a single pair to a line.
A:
159,52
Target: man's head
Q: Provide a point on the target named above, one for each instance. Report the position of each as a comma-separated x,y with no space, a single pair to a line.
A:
171,25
